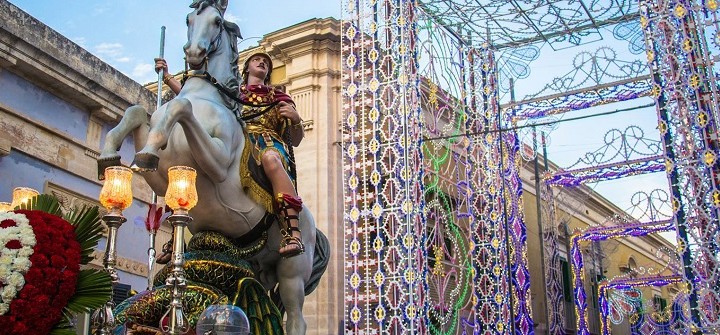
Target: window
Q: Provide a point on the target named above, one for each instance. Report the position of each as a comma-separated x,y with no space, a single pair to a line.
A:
659,303
566,280
120,293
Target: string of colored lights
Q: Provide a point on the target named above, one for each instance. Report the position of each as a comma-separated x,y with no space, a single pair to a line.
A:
601,234
435,244
675,53
672,321
571,178
502,237
630,283
551,242
561,103
385,257
686,93
447,214
457,262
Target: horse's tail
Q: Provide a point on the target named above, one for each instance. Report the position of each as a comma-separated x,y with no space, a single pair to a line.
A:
320,261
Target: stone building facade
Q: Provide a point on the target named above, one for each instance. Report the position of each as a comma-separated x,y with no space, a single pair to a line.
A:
57,102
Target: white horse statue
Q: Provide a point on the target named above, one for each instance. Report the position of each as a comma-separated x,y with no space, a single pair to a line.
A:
199,128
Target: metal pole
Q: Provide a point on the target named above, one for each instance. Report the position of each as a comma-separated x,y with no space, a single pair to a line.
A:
541,234
178,322
103,318
160,74
151,249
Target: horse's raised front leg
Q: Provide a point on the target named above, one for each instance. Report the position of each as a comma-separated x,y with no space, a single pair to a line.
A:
146,159
213,151
134,120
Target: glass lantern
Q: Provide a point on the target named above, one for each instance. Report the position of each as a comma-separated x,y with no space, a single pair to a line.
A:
116,194
21,196
181,194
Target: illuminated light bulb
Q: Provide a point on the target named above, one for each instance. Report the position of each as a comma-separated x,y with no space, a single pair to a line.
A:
181,194
116,194
21,195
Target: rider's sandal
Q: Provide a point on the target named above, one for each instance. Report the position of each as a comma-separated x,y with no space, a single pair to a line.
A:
285,202
288,239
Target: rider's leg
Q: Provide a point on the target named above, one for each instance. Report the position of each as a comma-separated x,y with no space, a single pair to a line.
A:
289,204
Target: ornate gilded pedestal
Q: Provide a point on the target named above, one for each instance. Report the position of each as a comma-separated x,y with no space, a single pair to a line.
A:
215,274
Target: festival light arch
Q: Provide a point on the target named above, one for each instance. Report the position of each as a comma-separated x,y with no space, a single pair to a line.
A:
432,160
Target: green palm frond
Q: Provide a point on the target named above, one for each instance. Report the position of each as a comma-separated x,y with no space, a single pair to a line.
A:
94,289
66,330
88,229
43,202
63,327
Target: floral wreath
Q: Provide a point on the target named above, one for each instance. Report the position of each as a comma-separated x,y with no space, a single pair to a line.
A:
17,240
41,251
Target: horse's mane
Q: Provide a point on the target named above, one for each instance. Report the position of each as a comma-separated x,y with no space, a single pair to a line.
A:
233,83
200,5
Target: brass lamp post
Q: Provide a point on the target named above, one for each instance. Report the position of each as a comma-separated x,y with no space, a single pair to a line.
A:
115,196
21,196
181,196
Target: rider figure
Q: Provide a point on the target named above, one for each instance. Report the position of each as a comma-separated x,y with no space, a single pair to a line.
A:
268,166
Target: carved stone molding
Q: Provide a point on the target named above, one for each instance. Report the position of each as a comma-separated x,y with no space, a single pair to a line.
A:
122,263
92,153
69,199
308,124
6,59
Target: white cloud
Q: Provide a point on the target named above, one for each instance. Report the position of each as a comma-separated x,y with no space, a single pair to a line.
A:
232,18
144,73
112,50
113,53
100,9
81,41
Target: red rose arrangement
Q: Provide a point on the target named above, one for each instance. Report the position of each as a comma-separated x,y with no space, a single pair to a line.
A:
51,279
41,283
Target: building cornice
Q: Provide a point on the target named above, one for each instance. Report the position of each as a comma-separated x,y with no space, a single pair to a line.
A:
67,69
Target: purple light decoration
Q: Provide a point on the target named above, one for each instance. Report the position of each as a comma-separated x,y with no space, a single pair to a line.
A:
546,106
601,234
654,281
571,178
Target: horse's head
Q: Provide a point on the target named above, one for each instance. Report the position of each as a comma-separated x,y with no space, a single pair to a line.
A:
205,29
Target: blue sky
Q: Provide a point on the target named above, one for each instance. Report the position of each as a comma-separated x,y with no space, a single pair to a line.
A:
126,34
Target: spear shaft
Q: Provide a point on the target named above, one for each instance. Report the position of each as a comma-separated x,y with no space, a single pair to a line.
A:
160,73
151,249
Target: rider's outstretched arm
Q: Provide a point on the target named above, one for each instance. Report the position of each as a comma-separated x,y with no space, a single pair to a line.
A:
168,79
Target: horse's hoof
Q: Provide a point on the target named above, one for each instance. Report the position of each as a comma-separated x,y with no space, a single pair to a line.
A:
106,162
145,162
